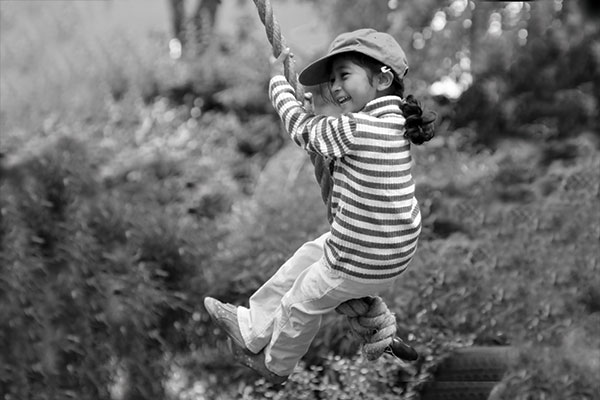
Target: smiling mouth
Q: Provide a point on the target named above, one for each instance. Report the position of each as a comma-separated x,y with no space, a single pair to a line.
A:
343,100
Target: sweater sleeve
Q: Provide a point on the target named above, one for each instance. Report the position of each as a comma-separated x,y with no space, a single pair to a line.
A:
328,136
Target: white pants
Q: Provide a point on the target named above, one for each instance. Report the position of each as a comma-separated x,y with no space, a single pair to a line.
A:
284,314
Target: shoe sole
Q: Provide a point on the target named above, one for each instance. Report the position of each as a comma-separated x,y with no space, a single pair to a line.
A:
255,362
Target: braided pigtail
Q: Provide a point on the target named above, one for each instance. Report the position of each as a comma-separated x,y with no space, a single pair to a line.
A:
419,124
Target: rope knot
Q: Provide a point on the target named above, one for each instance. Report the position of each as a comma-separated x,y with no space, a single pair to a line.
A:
372,321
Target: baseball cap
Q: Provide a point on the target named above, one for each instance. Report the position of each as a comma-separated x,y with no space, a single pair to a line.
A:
378,45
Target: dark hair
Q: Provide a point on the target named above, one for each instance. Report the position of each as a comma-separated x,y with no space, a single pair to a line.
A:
419,124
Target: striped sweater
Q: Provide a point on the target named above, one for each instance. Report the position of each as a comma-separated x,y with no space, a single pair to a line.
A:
376,218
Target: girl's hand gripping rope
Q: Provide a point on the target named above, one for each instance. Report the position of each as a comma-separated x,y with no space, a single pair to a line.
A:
277,64
277,68
309,106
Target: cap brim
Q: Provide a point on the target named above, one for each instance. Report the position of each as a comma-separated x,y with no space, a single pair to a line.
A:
317,72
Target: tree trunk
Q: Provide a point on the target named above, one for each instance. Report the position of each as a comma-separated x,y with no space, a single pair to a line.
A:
194,33
478,29
202,24
178,19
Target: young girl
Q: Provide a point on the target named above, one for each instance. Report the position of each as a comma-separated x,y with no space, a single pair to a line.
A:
376,218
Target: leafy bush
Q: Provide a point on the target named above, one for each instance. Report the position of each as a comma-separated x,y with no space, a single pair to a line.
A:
531,97
340,378
93,289
568,371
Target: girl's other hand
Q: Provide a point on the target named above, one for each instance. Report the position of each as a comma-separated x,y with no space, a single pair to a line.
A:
309,105
277,63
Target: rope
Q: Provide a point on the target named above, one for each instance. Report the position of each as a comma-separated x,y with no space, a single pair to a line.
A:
321,164
369,317
265,12
373,322
322,167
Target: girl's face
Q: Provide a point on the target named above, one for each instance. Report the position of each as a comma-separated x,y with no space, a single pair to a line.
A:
350,85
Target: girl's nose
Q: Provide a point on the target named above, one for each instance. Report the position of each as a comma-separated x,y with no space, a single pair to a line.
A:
335,86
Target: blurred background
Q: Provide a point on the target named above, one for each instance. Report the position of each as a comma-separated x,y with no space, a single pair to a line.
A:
144,168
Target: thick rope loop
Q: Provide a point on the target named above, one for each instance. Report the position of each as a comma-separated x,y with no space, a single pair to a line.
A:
354,307
369,317
372,321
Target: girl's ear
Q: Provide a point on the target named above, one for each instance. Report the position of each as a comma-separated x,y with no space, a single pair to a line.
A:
384,79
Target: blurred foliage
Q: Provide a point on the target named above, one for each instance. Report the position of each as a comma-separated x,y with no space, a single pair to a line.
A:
91,284
135,185
569,373
520,69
